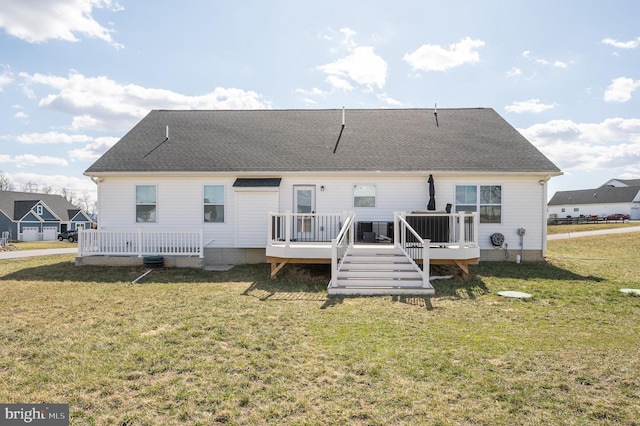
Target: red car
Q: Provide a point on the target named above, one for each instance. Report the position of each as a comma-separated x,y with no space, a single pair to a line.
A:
618,216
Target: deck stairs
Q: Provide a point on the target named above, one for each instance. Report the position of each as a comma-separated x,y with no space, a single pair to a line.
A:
379,269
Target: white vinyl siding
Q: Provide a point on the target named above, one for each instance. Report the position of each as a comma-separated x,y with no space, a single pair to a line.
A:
253,209
180,203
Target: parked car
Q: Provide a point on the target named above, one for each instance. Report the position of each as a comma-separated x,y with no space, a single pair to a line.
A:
70,236
618,216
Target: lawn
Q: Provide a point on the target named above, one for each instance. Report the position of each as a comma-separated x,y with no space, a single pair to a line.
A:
197,347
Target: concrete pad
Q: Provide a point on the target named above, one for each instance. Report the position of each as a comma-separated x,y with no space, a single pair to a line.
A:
218,268
516,294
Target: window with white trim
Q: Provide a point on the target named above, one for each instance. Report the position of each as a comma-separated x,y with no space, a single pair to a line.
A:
39,210
484,199
213,203
146,203
364,195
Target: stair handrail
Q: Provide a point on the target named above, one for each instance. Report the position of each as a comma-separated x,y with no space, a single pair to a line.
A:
423,245
339,246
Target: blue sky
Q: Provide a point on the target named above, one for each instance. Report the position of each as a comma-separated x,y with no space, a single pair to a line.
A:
76,75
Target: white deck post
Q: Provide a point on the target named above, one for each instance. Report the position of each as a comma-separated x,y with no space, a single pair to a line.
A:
475,231
334,262
461,240
288,225
425,264
139,237
201,243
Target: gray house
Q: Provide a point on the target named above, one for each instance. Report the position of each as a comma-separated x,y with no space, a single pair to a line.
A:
615,196
28,216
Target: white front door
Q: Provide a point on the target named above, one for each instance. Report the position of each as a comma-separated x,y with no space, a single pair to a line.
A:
304,201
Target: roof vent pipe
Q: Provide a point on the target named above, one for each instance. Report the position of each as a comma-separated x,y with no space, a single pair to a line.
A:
435,114
341,130
167,132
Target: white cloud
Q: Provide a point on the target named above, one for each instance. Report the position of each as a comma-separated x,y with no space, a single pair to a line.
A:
92,151
388,100
532,105
432,57
514,72
620,89
30,160
6,77
104,104
36,21
52,138
21,114
527,54
631,44
78,185
613,144
339,83
361,66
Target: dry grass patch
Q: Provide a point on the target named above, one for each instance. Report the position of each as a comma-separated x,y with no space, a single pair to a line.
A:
196,347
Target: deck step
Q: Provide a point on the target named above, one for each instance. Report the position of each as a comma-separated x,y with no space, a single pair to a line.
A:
379,291
378,282
370,270
400,274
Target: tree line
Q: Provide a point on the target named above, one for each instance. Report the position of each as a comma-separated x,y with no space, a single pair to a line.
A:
82,201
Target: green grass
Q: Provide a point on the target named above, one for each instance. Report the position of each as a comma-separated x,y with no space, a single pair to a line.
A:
196,347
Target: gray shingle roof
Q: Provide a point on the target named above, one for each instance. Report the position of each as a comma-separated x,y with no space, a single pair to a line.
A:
16,204
272,141
601,195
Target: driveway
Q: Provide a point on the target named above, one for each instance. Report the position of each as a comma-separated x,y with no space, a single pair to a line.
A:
591,233
17,254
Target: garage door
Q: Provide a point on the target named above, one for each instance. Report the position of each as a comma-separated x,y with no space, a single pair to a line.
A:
29,234
49,233
252,217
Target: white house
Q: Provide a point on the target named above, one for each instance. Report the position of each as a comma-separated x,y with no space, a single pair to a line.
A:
615,196
280,185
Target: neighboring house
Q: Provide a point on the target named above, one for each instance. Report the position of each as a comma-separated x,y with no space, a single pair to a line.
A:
28,216
615,196
265,185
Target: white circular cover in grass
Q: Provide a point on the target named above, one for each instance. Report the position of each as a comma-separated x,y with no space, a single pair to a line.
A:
631,290
517,294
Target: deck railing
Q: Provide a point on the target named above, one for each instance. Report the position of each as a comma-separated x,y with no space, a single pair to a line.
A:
141,242
340,245
304,227
410,241
445,229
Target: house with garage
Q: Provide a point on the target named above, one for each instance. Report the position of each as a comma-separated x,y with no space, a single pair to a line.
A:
322,186
28,216
617,196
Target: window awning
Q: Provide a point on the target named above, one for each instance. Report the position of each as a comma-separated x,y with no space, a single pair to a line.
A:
257,182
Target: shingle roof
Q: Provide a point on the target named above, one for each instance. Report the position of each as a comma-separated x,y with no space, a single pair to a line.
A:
629,182
17,204
601,195
303,140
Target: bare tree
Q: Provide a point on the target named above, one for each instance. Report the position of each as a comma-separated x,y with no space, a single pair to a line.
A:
29,187
46,189
68,195
88,204
5,183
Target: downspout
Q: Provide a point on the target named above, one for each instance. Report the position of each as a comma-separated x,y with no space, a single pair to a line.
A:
543,183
